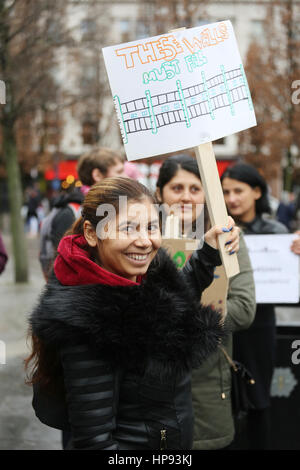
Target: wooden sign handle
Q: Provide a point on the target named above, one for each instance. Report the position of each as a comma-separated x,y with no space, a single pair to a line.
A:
215,202
214,198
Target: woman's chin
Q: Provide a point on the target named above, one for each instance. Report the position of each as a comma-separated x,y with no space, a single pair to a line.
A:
138,271
236,213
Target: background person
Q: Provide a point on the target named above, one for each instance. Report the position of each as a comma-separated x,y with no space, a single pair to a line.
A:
245,193
116,345
66,209
3,255
99,163
286,211
33,201
179,184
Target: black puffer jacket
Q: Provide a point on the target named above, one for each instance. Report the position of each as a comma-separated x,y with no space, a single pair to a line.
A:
126,354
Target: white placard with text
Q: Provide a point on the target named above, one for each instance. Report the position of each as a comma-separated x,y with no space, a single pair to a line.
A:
275,267
179,90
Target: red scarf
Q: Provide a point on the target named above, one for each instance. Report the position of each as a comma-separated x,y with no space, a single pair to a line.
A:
73,266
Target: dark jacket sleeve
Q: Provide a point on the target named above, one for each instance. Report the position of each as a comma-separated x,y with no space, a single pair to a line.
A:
3,256
199,269
92,397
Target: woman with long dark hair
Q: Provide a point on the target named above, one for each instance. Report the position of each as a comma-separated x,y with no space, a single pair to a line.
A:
179,186
246,196
118,329
180,190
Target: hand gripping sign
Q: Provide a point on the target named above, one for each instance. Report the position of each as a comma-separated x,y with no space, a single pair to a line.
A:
183,89
215,294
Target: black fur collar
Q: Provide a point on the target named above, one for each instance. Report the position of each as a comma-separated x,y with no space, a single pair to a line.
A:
157,325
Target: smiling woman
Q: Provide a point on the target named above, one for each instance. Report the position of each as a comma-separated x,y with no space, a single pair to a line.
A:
180,189
129,242
118,329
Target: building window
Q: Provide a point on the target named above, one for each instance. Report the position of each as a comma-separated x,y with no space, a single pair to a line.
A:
89,132
296,30
203,21
257,31
89,76
142,30
88,29
124,28
54,32
232,20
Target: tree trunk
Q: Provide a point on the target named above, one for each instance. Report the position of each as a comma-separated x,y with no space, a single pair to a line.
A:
15,202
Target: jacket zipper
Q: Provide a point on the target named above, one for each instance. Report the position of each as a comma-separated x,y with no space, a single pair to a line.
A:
163,439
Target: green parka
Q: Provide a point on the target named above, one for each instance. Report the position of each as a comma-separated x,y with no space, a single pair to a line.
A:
211,384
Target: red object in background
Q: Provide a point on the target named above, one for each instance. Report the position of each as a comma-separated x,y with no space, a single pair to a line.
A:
223,165
65,168
68,167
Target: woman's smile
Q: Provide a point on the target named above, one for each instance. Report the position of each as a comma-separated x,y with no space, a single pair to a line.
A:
138,259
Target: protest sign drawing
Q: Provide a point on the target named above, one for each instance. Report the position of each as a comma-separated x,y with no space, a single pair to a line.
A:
275,268
179,90
214,295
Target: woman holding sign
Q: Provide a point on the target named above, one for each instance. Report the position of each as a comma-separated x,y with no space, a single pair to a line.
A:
179,187
246,197
118,329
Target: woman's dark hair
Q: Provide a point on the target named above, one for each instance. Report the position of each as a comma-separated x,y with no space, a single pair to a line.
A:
43,363
172,164
249,175
169,169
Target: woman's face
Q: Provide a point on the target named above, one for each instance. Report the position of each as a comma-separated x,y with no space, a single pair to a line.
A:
185,193
240,199
131,240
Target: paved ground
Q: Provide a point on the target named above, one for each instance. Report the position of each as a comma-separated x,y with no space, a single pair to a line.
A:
19,428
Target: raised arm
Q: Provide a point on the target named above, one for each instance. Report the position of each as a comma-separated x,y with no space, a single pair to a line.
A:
92,390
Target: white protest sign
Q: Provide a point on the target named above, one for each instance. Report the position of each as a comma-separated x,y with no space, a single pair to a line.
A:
179,90
275,267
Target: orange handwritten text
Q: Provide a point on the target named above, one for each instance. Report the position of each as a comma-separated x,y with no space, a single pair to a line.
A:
207,37
164,48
